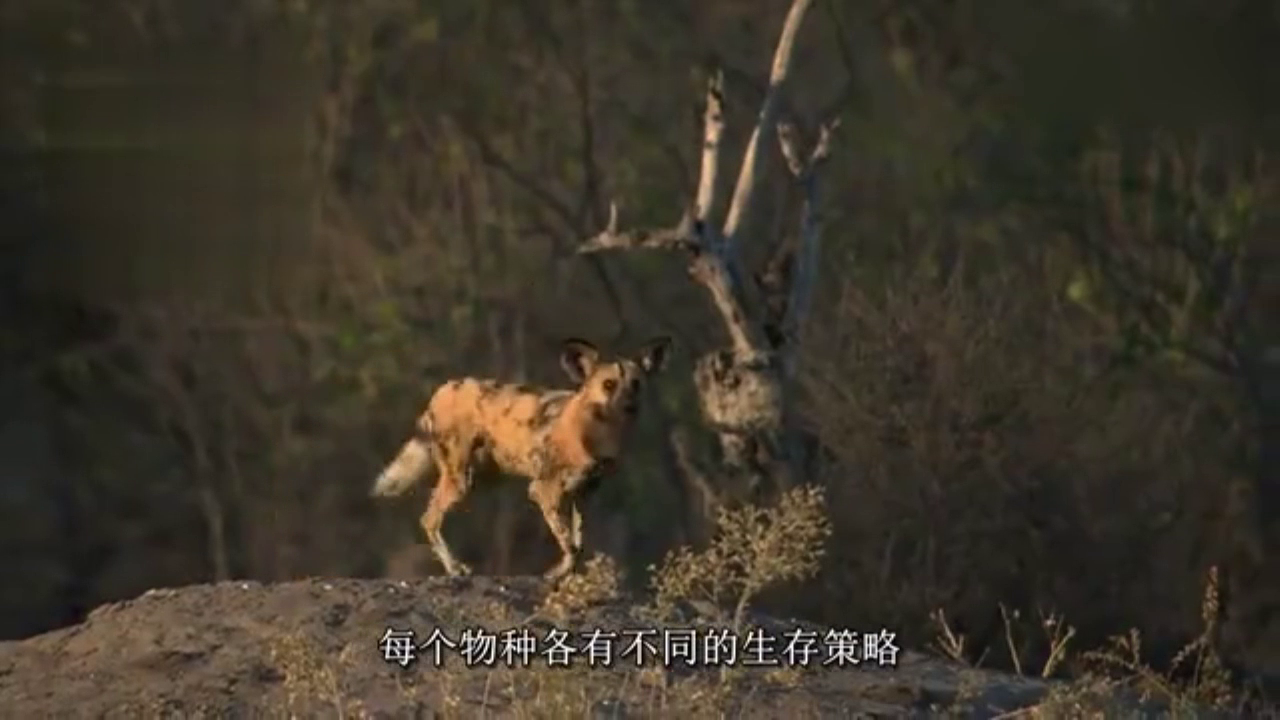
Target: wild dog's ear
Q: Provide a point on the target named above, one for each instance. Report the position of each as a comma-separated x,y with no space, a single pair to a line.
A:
578,358
653,356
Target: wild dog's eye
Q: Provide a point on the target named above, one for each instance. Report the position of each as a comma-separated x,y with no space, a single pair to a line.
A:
610,385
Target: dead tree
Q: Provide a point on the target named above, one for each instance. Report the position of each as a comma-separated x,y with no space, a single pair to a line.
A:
744,387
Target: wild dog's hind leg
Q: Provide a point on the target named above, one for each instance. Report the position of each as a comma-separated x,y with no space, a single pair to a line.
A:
557,511
451,487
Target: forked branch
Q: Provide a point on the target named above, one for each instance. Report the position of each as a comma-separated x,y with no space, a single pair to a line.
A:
682,236
805,271
803,167
741,389
696,234
714,261
753,159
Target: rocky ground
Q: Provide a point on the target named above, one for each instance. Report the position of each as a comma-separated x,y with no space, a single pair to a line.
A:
312,648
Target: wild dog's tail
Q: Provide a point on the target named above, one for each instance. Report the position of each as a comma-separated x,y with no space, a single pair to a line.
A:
409,466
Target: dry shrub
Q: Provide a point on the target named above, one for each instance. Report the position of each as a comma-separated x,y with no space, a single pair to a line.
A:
754,547
1117,679
1196,676
599,581
554,692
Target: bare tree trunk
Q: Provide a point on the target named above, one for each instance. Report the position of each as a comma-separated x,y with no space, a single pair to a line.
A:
742,388
216,521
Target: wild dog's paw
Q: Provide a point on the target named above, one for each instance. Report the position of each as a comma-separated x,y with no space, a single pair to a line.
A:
562,568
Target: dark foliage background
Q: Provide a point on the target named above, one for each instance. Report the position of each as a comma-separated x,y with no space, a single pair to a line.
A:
243,241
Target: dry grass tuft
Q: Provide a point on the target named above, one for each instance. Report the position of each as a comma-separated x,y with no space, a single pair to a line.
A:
1196,676
307,674
600,581
1115,678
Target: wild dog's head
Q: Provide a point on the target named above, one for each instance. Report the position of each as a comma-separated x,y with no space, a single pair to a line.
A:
611,389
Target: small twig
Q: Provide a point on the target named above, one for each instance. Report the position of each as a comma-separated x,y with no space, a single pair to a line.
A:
949,642
789,143
822,149
1008,639
680,237
1059,639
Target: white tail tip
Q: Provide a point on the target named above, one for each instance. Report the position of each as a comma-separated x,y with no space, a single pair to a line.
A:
383,485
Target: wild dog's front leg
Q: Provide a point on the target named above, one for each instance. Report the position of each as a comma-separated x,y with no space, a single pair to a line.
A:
558,513
581,490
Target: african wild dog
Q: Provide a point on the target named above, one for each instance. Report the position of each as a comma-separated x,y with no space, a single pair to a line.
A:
562,441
